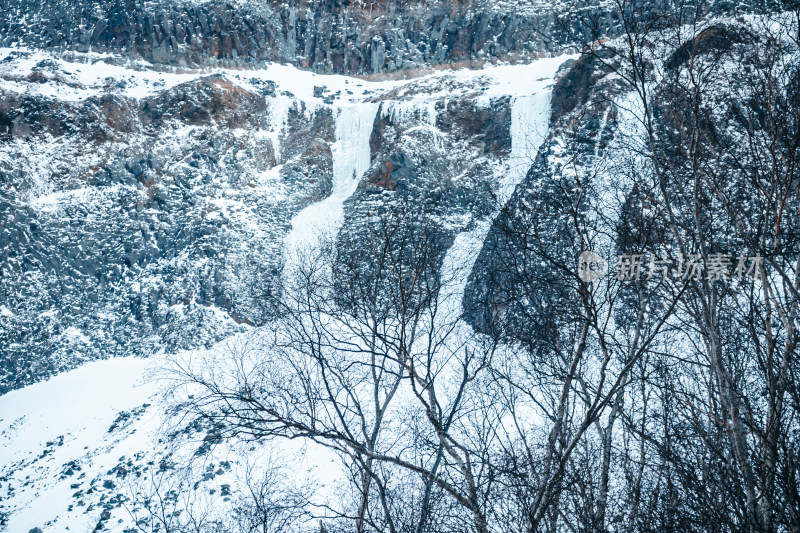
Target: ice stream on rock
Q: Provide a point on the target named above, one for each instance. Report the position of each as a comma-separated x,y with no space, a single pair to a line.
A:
530,116
351,158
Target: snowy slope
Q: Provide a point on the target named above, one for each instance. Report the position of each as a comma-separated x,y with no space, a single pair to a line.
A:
59,436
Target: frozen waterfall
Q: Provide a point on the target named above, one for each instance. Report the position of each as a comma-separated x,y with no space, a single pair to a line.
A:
351,158
530,117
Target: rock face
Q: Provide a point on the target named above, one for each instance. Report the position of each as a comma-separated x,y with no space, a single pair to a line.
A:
123,219
436,160
510,287
332,36
144,208
146,211
335,36
584,164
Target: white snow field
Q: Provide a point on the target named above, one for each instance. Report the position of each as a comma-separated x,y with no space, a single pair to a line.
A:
63,441
66,421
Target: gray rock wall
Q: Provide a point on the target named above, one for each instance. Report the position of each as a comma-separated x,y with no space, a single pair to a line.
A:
354,37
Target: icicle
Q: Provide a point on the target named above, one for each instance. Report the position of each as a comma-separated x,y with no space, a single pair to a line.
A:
280,114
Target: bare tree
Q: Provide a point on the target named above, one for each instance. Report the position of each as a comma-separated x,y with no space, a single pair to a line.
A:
546,401
718,126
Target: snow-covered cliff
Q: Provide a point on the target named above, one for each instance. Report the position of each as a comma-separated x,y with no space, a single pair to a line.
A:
183,197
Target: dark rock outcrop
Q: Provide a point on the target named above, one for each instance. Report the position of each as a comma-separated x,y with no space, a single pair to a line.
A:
355,37
132,226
